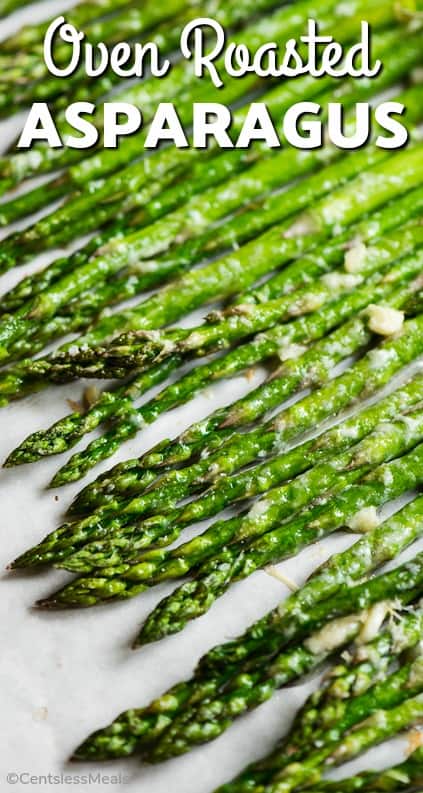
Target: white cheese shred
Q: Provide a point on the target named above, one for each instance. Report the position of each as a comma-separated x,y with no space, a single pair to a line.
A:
385,321
284,579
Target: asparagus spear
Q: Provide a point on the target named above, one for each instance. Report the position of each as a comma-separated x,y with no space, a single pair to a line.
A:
240,560
405,56
322,260
124,287
28,66
298,418
63,542
124,561
125,478
223,328
208,435
126,735
135,727
33,284
342,569
387,697
101,206
368,662
380,726
405,776
299,272
67,431
201,724
242,449
231,272
165,35
285,22
51,299
135,350
131,21
124,581
98,204
129,282
397,688
362,379
83,13
180,82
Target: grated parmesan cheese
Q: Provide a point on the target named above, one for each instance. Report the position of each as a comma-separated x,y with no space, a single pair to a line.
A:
355,258
258,509
338,280
291,351
301,227
384,320
375,618
379,358
333,635
284,579
364,520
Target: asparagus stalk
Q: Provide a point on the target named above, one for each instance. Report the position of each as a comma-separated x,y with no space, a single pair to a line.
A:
50,300
405,776
63,542
132,420
80,15
132,351
243,449
95,205
383,724
285,22
323,259
240,560
180,82
223,328
129,283
130,22
339,572
361,380
134,728
309,412
126,285
32,285
301,330
101,203
127,734
68,431
79,88
121,557
208,435
367,663
28,66
129,580
406,55
126,477
397,688
201,724
232,272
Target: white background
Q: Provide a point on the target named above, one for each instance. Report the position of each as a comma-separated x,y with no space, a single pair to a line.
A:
68,673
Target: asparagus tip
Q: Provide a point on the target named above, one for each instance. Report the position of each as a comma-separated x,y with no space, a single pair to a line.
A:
57,481
47,603
142,639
